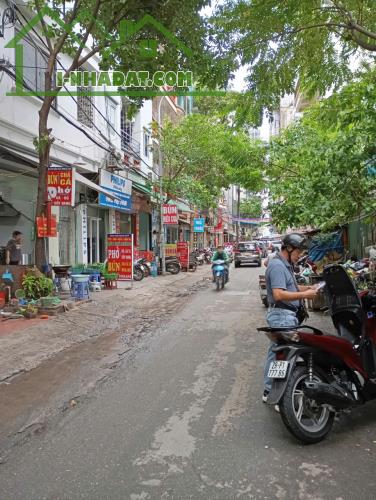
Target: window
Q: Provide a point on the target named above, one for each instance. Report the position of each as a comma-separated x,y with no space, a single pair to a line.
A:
35,64
126,129
147,138
111,116
85,108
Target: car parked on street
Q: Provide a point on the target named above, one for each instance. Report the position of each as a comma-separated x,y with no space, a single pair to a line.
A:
247,252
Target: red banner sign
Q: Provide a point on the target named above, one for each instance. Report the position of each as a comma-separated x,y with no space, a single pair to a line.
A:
183,253
144,254
120,255
60,186
42,227
170,214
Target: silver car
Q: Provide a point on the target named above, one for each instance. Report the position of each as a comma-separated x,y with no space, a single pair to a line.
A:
247,252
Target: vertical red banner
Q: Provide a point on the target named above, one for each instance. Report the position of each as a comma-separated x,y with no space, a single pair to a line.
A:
183,253
59,186
120,255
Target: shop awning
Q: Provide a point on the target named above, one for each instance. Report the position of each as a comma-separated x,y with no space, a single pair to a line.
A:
142,189
95,187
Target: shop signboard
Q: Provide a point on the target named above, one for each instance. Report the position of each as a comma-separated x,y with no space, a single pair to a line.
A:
120,187
170,249
170,214
120,255
199,225
42,227
183,253
60,186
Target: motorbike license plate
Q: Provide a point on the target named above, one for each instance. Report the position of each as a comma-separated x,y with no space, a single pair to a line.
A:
278,369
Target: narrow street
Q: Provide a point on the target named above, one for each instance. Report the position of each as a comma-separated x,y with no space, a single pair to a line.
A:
181,417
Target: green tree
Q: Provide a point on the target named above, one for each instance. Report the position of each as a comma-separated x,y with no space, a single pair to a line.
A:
251,207
281,42
321,168
94,29
202,156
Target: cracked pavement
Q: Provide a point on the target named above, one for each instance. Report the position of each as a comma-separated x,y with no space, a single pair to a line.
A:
180,416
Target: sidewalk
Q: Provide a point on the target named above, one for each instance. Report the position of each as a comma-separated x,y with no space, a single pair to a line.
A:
25,344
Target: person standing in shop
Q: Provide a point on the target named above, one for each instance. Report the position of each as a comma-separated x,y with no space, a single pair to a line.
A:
13,254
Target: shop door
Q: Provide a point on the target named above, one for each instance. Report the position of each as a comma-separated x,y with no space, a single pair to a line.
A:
66,249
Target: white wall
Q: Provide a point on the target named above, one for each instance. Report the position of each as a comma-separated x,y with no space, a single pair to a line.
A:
19,117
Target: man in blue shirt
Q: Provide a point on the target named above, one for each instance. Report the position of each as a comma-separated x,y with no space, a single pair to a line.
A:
284,294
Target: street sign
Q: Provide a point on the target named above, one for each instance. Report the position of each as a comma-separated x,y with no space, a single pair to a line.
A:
42,227
199,225
59,186
120,255
118,185
170,214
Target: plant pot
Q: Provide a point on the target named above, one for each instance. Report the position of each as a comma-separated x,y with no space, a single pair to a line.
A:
30,315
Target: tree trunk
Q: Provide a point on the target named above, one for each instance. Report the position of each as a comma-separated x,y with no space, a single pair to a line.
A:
44,147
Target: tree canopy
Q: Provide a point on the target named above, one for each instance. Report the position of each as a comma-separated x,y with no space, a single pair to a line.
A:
322,169
202,156
251,207
281,42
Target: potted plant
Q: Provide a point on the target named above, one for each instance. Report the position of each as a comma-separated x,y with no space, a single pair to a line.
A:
30,311
37,287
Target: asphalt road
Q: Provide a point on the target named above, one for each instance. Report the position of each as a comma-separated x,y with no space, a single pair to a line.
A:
183,419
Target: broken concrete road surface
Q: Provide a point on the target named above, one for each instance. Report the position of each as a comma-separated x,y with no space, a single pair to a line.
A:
180,416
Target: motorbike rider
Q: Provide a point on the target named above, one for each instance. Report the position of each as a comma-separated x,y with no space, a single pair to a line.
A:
220,254
285,296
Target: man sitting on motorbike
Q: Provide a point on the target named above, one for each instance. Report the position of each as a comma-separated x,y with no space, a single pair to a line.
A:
220,254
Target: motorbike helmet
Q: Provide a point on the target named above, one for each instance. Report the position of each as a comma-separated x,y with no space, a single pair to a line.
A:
294,240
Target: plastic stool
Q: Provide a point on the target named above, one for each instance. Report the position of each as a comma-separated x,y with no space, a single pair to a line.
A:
95,277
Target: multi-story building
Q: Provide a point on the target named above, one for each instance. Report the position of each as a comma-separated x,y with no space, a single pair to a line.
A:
92,137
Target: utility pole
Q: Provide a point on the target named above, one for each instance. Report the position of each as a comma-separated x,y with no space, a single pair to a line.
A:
238,216
161,227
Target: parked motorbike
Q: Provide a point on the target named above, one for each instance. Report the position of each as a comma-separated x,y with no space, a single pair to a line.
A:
262,289
193,261
208,256
138,270
147,266
172,265
219,271
316,375
199,256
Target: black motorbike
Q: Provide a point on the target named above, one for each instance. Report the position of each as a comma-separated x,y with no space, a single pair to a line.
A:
147,266
172,265
138,270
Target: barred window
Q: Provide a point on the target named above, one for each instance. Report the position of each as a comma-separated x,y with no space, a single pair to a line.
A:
85,108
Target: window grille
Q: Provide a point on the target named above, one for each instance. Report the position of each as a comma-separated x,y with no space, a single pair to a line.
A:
85,108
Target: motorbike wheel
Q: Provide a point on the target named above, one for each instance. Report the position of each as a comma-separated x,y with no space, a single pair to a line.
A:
305,420
218,283
138,274
173,269
265,302
223,282
193,267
